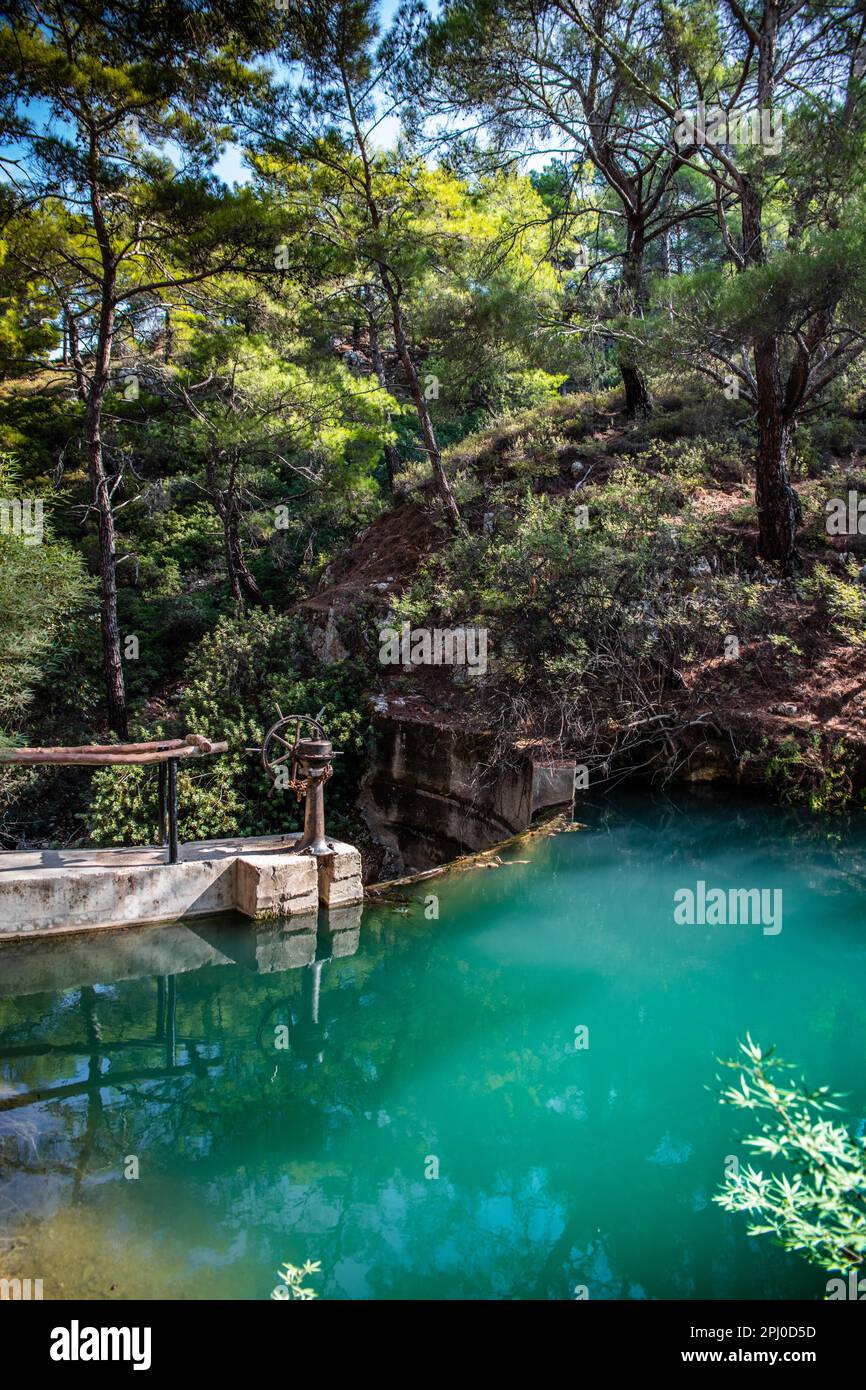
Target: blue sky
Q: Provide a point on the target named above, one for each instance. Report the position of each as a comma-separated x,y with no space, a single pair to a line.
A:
230,166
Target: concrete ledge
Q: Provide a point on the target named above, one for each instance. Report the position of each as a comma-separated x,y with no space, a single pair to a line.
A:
275,885
340,876
45,899
68,890
552,784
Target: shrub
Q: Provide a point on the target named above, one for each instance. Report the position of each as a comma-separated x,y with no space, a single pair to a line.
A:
813,772
818,1208
843,600
42,586
238,675
579,617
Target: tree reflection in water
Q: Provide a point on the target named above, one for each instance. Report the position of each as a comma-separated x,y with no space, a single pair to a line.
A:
451,1039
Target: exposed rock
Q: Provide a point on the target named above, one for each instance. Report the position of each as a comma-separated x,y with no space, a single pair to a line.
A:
325,642
431,795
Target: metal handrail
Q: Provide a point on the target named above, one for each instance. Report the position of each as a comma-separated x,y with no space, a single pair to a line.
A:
164,752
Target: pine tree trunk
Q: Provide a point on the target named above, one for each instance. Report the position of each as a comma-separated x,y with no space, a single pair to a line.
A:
231,572
94,396
111,656
392,291
226,503
638,400
779,511
443,487
392,458
241,570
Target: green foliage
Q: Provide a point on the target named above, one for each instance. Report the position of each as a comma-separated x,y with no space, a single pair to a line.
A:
702,460
843,600
237,677
813,771
42,587
825,440
124,810
293,1285
787,655
812,1197
570,606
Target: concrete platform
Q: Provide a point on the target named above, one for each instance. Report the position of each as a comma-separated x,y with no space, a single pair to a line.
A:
68,890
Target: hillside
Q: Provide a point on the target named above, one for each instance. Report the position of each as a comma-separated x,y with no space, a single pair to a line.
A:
610,564
613,641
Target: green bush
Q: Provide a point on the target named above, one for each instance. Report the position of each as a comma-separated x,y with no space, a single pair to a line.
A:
237,677
818,1207
42,586
843,600
577,615
124,804
813,772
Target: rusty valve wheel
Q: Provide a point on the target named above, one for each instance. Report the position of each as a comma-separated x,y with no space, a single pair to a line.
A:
312,758
277,749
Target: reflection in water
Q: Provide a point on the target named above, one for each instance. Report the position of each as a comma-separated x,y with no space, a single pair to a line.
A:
298,944
104,1073
284,1092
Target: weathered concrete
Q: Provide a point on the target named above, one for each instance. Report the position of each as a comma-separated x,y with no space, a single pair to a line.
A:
433,793
275,885
339,876
67,890
102,896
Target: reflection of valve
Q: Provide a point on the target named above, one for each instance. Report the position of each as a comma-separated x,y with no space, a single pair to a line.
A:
286,1033
310,761
275,1038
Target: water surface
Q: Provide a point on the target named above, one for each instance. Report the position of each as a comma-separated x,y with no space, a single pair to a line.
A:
292,1095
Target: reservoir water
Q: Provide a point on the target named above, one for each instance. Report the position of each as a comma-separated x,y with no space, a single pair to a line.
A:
515,1099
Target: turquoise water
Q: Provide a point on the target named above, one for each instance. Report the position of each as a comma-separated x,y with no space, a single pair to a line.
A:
416,1046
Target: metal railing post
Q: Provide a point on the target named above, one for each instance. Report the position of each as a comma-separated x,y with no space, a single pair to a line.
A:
172,810
162,829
